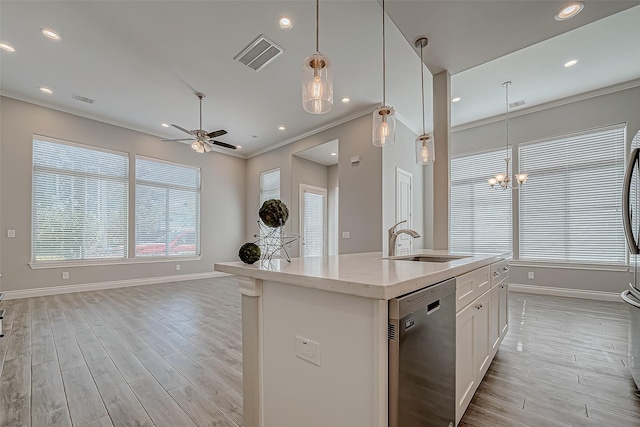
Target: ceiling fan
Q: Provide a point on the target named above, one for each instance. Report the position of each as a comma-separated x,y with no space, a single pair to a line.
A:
202,140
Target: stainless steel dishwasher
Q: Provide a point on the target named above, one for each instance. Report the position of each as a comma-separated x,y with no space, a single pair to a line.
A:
422,357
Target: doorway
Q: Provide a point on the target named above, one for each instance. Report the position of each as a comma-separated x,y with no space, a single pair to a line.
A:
404,210
313,221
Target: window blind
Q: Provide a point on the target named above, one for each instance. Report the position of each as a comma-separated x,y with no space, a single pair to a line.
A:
269,185
480,217
314,208
570,208
79,202
167,209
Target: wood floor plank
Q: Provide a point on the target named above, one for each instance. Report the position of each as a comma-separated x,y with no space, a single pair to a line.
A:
128,365
47,391
231,403
69,354
611,417
559,414
221,370
15,390
156,342
162,371
162,409
43,349
97,359
122,405
201,410
197,375
102,422
56,418
84,401
131,340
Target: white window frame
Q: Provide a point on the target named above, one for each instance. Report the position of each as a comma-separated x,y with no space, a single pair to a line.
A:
198,254
305,188
78,262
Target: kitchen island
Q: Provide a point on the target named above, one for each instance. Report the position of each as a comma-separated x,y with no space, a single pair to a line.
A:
315,333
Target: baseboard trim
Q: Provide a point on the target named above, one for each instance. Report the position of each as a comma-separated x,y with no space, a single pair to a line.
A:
67,289
565,292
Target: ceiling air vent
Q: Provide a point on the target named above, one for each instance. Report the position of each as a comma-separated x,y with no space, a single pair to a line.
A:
82,98
518,103
259,53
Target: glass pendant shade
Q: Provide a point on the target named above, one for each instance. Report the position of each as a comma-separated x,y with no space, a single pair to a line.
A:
384,126
425,153
317,84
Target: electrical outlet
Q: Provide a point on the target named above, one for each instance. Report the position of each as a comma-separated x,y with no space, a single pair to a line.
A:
65,275
346,235
531,275
177,267
308,350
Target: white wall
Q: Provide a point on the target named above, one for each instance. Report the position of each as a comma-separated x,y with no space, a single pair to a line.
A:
360,195
604,110
222,201
402,155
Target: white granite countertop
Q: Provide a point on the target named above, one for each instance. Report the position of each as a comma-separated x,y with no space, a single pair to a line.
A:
367,275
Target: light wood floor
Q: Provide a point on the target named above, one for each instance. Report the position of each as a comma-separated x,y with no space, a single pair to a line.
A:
170,355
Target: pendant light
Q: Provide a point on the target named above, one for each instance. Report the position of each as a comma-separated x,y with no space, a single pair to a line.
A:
384,118
317,78
425,152
504,179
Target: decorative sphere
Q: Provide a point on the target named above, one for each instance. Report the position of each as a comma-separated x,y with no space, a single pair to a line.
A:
274,213
249,253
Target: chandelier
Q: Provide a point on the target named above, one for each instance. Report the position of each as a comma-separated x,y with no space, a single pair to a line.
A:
504,179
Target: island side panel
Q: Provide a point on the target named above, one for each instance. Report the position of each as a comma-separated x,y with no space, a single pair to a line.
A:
350,385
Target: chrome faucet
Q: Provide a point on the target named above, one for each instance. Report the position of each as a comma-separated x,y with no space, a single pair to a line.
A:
393,235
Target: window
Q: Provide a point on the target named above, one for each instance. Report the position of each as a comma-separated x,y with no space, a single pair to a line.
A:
313,208
80,202
167,209
570,208
269,185
480,217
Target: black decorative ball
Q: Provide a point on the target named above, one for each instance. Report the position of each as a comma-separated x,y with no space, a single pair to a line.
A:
274,213
249,253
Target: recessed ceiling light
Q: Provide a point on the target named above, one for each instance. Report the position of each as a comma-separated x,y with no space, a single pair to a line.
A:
345,100
50,33
164,125
238,146
281,128
569,10
456,99
46,90
334,154
285,22
7,47
571,63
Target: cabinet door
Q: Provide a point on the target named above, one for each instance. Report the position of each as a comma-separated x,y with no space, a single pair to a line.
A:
481,331
495,326
503,317
465,366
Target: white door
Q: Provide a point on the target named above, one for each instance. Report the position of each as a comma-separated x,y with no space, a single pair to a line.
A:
404,210
313,221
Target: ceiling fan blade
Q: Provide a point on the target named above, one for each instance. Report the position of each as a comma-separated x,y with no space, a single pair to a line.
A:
182,129
177,139
216,133
223,144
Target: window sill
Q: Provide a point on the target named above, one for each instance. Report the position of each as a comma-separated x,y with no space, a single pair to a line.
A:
570,266
95,263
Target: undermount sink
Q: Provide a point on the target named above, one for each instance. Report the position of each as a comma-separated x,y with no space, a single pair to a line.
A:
432,258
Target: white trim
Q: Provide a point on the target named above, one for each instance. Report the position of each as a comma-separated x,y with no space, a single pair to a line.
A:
36,265
329,125
557,103
565,292
571,266
66,289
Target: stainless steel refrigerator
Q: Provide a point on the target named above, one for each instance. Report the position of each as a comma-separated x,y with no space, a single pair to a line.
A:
631,220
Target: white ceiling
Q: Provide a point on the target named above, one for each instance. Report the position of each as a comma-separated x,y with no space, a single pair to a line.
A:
143,60
321,153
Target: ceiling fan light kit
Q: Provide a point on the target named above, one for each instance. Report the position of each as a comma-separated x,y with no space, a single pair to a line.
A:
384,118
317,79
504,179
425,151
202,140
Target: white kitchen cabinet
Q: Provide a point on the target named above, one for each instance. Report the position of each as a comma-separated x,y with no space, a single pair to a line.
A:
481,323
465,358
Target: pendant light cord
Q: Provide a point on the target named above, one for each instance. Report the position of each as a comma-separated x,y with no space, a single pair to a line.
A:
422,80
317,26
384,62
